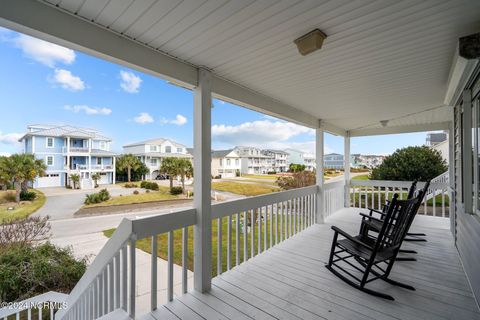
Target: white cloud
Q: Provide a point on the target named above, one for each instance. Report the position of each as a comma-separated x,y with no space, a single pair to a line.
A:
143,118
44,52
5,154
258,132
130,82
88,110
67,80
10,138
179,120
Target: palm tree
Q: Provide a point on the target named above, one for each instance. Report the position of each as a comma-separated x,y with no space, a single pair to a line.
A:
170,167
185,170
128,162
22,168
95,178
75,179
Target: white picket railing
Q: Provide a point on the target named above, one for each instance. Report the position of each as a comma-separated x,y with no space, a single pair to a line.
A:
334,197
109,282
108,285
373,193
261,222
46,302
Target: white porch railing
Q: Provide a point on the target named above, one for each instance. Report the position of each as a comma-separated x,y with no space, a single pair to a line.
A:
256,224
334,197
43,303
373,193
109,282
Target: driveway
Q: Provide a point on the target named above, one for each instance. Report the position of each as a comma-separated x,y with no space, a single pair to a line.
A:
62,203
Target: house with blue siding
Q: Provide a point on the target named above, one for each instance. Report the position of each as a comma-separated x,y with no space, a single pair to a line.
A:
68,150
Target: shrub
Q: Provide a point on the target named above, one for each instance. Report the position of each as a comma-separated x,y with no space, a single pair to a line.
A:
130,185
27,270
297,180
8,196
148,191
24,231
149,185
136,192
101,196
237,173
27,195
271,172
176,190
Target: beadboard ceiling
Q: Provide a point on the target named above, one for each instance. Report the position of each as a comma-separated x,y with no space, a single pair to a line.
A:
382,60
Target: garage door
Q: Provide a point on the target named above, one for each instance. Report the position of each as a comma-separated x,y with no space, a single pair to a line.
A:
50,180
103,179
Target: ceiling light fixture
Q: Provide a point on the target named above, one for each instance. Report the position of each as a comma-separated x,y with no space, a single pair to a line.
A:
310,42
384,123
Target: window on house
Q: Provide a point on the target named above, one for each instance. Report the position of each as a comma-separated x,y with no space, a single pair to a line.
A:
103,145
221,162
179,150
168,149
153,148
49,160
153,162
228,162
99,161
237,162
50,142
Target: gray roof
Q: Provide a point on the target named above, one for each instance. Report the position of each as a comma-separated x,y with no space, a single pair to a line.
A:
103,152
156,141
64,131
164,155
275,151
221,153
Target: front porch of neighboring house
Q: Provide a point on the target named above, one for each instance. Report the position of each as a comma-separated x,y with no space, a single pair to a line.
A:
382,71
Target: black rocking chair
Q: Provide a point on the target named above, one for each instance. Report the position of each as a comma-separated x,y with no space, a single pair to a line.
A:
373,257
375,225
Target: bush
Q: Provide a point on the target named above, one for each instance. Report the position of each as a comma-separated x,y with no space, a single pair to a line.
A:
8,196
130,185
24,231
102,196
237,173
149,185
136,192
410,163
176,190
271,172
148,191
27,195
27,270
297,180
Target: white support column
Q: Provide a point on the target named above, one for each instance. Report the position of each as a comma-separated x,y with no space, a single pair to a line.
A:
451,174
320,205
114,167
346,168
202,231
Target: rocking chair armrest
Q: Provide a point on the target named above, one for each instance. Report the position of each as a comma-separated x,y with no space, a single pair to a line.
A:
376,211
364,215
349,237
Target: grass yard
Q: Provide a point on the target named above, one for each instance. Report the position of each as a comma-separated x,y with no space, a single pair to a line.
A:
260,176
162,194
145,244
22,210
361,177
246,189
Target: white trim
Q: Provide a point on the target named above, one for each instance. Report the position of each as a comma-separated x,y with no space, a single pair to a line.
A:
46,143
460,73
320,179
33,144
400,129
346,167
467,152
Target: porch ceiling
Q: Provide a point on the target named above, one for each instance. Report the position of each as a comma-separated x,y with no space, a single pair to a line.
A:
381,60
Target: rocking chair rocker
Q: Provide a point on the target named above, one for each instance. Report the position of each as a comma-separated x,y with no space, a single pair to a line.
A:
371,257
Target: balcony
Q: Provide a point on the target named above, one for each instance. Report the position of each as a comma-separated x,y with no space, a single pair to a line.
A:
274,268
85,167
75,150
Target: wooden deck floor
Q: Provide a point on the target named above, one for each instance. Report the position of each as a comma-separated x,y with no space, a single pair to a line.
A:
290,281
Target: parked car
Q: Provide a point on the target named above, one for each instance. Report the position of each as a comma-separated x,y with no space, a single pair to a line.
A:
162,176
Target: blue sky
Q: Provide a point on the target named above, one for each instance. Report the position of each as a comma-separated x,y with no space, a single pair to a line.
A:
44,83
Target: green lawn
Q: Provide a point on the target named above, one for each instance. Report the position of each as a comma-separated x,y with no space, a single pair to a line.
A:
361,177
246,189
162,194
260,176
145,244
22,210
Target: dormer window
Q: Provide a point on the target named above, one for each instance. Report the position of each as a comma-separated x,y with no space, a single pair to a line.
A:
50,142
168,149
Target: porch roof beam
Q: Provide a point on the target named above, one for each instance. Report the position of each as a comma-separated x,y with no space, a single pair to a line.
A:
56,26
399,129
